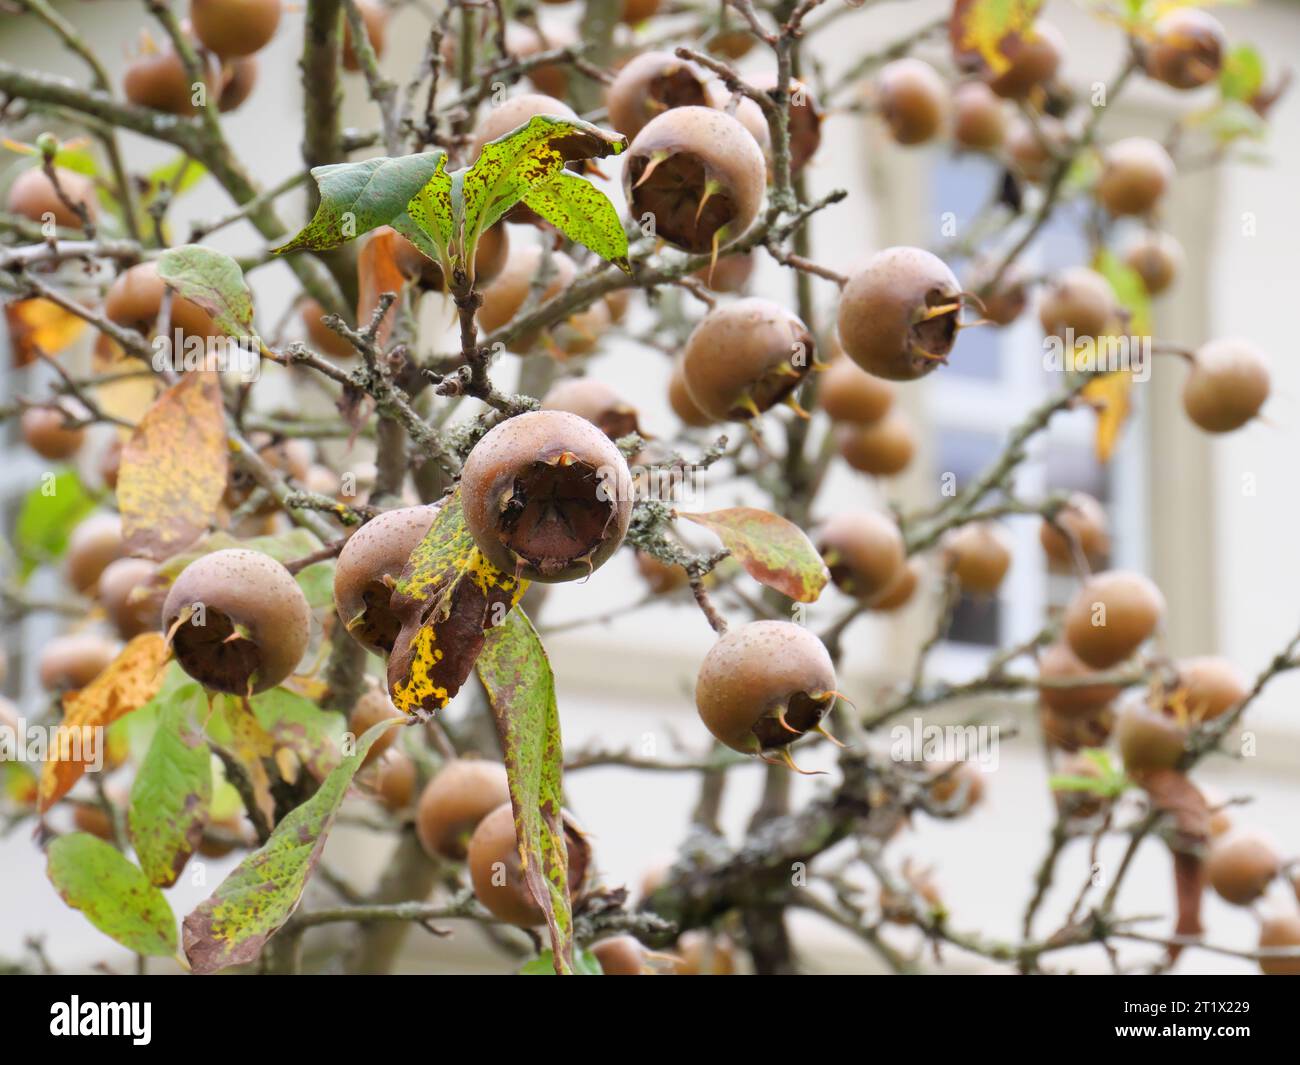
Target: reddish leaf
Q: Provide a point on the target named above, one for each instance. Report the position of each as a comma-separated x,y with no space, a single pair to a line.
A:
774,551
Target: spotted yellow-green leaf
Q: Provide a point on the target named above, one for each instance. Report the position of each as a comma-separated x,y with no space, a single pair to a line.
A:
525,159
357,197
172,791
1242,74
773,550
989,32
297,724
173,470
130,681
447,597
233,924
93,876
430,213
582,213
214,281
585,963
516,675
245,739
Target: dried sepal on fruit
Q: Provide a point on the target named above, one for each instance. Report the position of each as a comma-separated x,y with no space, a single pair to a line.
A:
547,496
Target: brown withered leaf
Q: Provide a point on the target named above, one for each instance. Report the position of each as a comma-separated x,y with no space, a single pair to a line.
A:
173,470
37,325
447,597
1173,794
130,681
377,273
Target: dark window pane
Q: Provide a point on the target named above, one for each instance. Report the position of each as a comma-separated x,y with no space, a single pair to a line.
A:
976,621
965,453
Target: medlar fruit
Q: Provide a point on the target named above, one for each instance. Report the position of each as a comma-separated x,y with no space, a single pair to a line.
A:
232,28
371,560
1059,663
1034,61
979,120
1241,865
594,400
1228,384
495,867
912,99
764,685
745,357
94,543
881,448
464,791
898,314
1280,930
1157,258
129,598
699,173
1148,739
370,709
135,298
74,661
1136,172
1111,616
979,556
46,431
34,196
1079,299
1186,48
244,622
1211,686
547,496
650,84
1084,519
864,552
620,956
849,394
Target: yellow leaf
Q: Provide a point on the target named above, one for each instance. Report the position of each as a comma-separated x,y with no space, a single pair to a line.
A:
130,681
39,325
1109,395
250,744
991,30
173,471
129,397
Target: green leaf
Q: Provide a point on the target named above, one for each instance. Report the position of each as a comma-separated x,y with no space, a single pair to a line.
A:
357,197
253,902
584,214
525,159
47,518
283,547
172,793
116,897
774,551
1242,75
214,281
446,599
429,215
584,964
317,584
1129,289
521,690
183,167
297,723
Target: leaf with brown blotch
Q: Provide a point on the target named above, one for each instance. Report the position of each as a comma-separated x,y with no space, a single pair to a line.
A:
447,597
377,273
37,325
233,924
774,551
986,34
130,681
173,470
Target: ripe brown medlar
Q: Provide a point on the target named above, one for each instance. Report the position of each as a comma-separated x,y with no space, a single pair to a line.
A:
233,28
979,118
374,706
95,542
547,496
1111,616
508,292
1210,686
881,448
900,592
764,685
1008,299
730,274
374,16
1078,299
679,398
1074,732
1157,258
238,80
979,555
745,357
1227,385
956,786
158,79
1058,663
74,661
46,431
393,780
244,622
464,791
805,123
1084,520
495,867
129,597
1148,739
33,195
898,316
594,400
912,99
1034,61
321,336
1186,48
524,41
1280,930
1241,865
135,298
371,560
1136,172
699,174
864,552
650,84
1035,148
620,956
701,954
850,394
